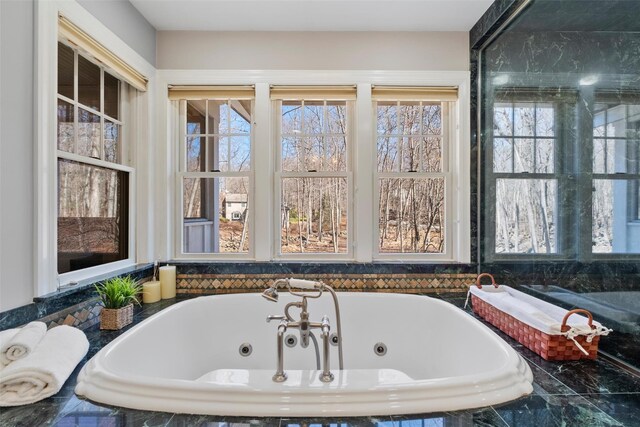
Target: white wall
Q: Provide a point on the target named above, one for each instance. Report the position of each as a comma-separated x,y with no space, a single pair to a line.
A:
313,50
16,152
127,23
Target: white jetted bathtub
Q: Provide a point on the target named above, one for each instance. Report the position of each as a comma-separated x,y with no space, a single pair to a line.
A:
187,359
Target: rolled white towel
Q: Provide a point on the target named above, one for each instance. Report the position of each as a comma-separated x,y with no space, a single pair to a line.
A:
43,372
23,342
5,336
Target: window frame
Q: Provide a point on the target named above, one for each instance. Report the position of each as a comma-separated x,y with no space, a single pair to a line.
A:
182,173
575,180
123,157
362,154
448,170
279,175
45,278
564,105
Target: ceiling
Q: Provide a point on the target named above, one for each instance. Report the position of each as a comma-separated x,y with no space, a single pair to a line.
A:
312,15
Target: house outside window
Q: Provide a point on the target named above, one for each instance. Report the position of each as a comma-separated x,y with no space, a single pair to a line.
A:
215,171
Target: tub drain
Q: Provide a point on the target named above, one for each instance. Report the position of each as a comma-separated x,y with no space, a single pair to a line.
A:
245,349
380,349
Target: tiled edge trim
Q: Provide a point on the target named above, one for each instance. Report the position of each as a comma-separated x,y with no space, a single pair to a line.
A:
405,283
82,316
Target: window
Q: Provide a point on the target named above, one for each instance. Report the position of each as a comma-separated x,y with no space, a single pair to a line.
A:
93,179
313,170
616,176
215,169
547,183
525,140
297,185
413,172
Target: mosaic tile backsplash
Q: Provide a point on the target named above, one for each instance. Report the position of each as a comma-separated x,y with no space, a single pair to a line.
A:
406,283
82,316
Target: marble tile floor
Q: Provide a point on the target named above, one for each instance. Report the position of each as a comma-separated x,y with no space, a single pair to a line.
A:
584,393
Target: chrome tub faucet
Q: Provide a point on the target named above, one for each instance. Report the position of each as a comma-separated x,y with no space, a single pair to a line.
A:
303,324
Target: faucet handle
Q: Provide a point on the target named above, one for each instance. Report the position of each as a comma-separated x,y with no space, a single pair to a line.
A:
275,317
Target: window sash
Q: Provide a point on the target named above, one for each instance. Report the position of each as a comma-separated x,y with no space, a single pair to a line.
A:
182,174
513,100
77,105
290,95
445,97
183,136
378,254
99,162
277,244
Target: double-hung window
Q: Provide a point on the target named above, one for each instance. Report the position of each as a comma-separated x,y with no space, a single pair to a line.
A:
413,178
313,170
93,209
525,175
563,184
215,169
312,192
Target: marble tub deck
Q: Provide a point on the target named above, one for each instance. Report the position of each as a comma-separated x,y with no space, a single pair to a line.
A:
584,393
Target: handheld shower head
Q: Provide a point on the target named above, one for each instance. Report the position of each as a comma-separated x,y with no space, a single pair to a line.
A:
271,294
307,285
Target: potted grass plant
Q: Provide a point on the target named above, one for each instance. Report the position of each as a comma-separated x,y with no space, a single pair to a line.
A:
118,296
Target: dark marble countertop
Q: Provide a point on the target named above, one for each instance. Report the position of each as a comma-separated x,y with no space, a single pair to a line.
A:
582,393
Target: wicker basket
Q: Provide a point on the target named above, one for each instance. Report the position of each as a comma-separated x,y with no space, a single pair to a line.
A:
550,347
116,318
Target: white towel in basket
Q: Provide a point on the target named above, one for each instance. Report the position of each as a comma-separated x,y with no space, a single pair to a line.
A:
43,372
534,312
22,343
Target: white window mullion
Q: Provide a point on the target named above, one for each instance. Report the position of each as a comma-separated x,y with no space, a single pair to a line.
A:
421,137
204,138
182,136
276,209
101,154
303,135
76,118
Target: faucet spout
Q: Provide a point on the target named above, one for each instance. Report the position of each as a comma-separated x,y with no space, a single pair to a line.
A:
280,375
325,376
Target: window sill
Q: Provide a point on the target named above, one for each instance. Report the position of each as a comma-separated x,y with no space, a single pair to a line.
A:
84,287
